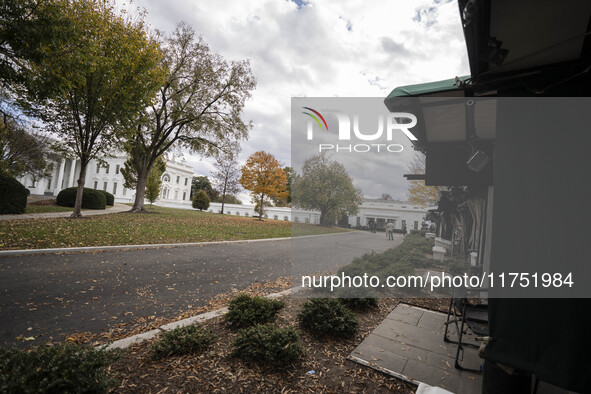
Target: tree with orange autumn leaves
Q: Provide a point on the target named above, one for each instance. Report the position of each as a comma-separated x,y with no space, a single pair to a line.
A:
263,176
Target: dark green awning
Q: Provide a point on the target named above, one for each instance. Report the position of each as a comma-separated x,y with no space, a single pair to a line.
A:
429,88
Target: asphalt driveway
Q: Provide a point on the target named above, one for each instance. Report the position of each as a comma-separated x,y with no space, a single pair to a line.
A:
47,296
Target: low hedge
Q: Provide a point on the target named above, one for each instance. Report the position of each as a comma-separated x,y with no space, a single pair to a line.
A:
268,345
182,340
57,369
245,310
323,317
109,197
13,196
91,199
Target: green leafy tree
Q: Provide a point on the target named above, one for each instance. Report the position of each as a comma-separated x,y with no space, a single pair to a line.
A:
324,185
200,200
226,178
263,176
202,182
229,199
199,105
154,182
27,28
101,76
129,174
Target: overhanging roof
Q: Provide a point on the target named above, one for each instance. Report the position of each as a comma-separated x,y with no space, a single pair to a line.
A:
511,43
446,88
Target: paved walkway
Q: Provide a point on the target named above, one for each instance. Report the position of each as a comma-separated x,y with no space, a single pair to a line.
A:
90,212
409,344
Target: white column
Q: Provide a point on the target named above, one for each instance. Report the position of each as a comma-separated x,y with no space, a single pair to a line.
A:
72,172
60,177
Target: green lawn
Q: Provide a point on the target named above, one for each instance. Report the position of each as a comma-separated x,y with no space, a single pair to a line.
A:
164,225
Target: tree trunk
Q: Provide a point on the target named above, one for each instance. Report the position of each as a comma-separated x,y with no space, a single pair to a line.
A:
322,218
140,190
223,197
261,207
81,180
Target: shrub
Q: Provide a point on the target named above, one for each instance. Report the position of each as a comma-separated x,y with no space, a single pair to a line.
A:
245,310
457,266
110,199
60,369
268,344
417,259
183,340
91,199
398,268
200,200
327,317
13,196
360,304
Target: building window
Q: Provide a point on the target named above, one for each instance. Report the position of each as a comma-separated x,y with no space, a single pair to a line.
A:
49,183
95,185
186,181
176,194
165,178
416,225
404,224
114,188
184,196
307,220
117,167
297,219
275,217
285,218
178,179
246,214
237,213
98,168
105,186
107,168
124,191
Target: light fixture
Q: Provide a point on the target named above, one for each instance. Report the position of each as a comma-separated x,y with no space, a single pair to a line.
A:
478,161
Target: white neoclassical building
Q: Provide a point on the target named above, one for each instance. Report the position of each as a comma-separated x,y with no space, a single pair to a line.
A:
402,214
176,181
380,211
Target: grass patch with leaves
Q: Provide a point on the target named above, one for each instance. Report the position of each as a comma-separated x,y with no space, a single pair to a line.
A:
57,369
183,340
246,310
161,225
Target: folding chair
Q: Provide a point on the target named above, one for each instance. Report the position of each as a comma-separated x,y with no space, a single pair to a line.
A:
465,315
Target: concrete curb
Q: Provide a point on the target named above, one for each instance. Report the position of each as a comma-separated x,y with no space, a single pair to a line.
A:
135,339
127,247
19,252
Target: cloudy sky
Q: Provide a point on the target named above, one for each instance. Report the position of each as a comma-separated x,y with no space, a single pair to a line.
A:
320,48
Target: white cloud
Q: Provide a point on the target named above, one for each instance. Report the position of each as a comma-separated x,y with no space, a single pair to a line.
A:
325,48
